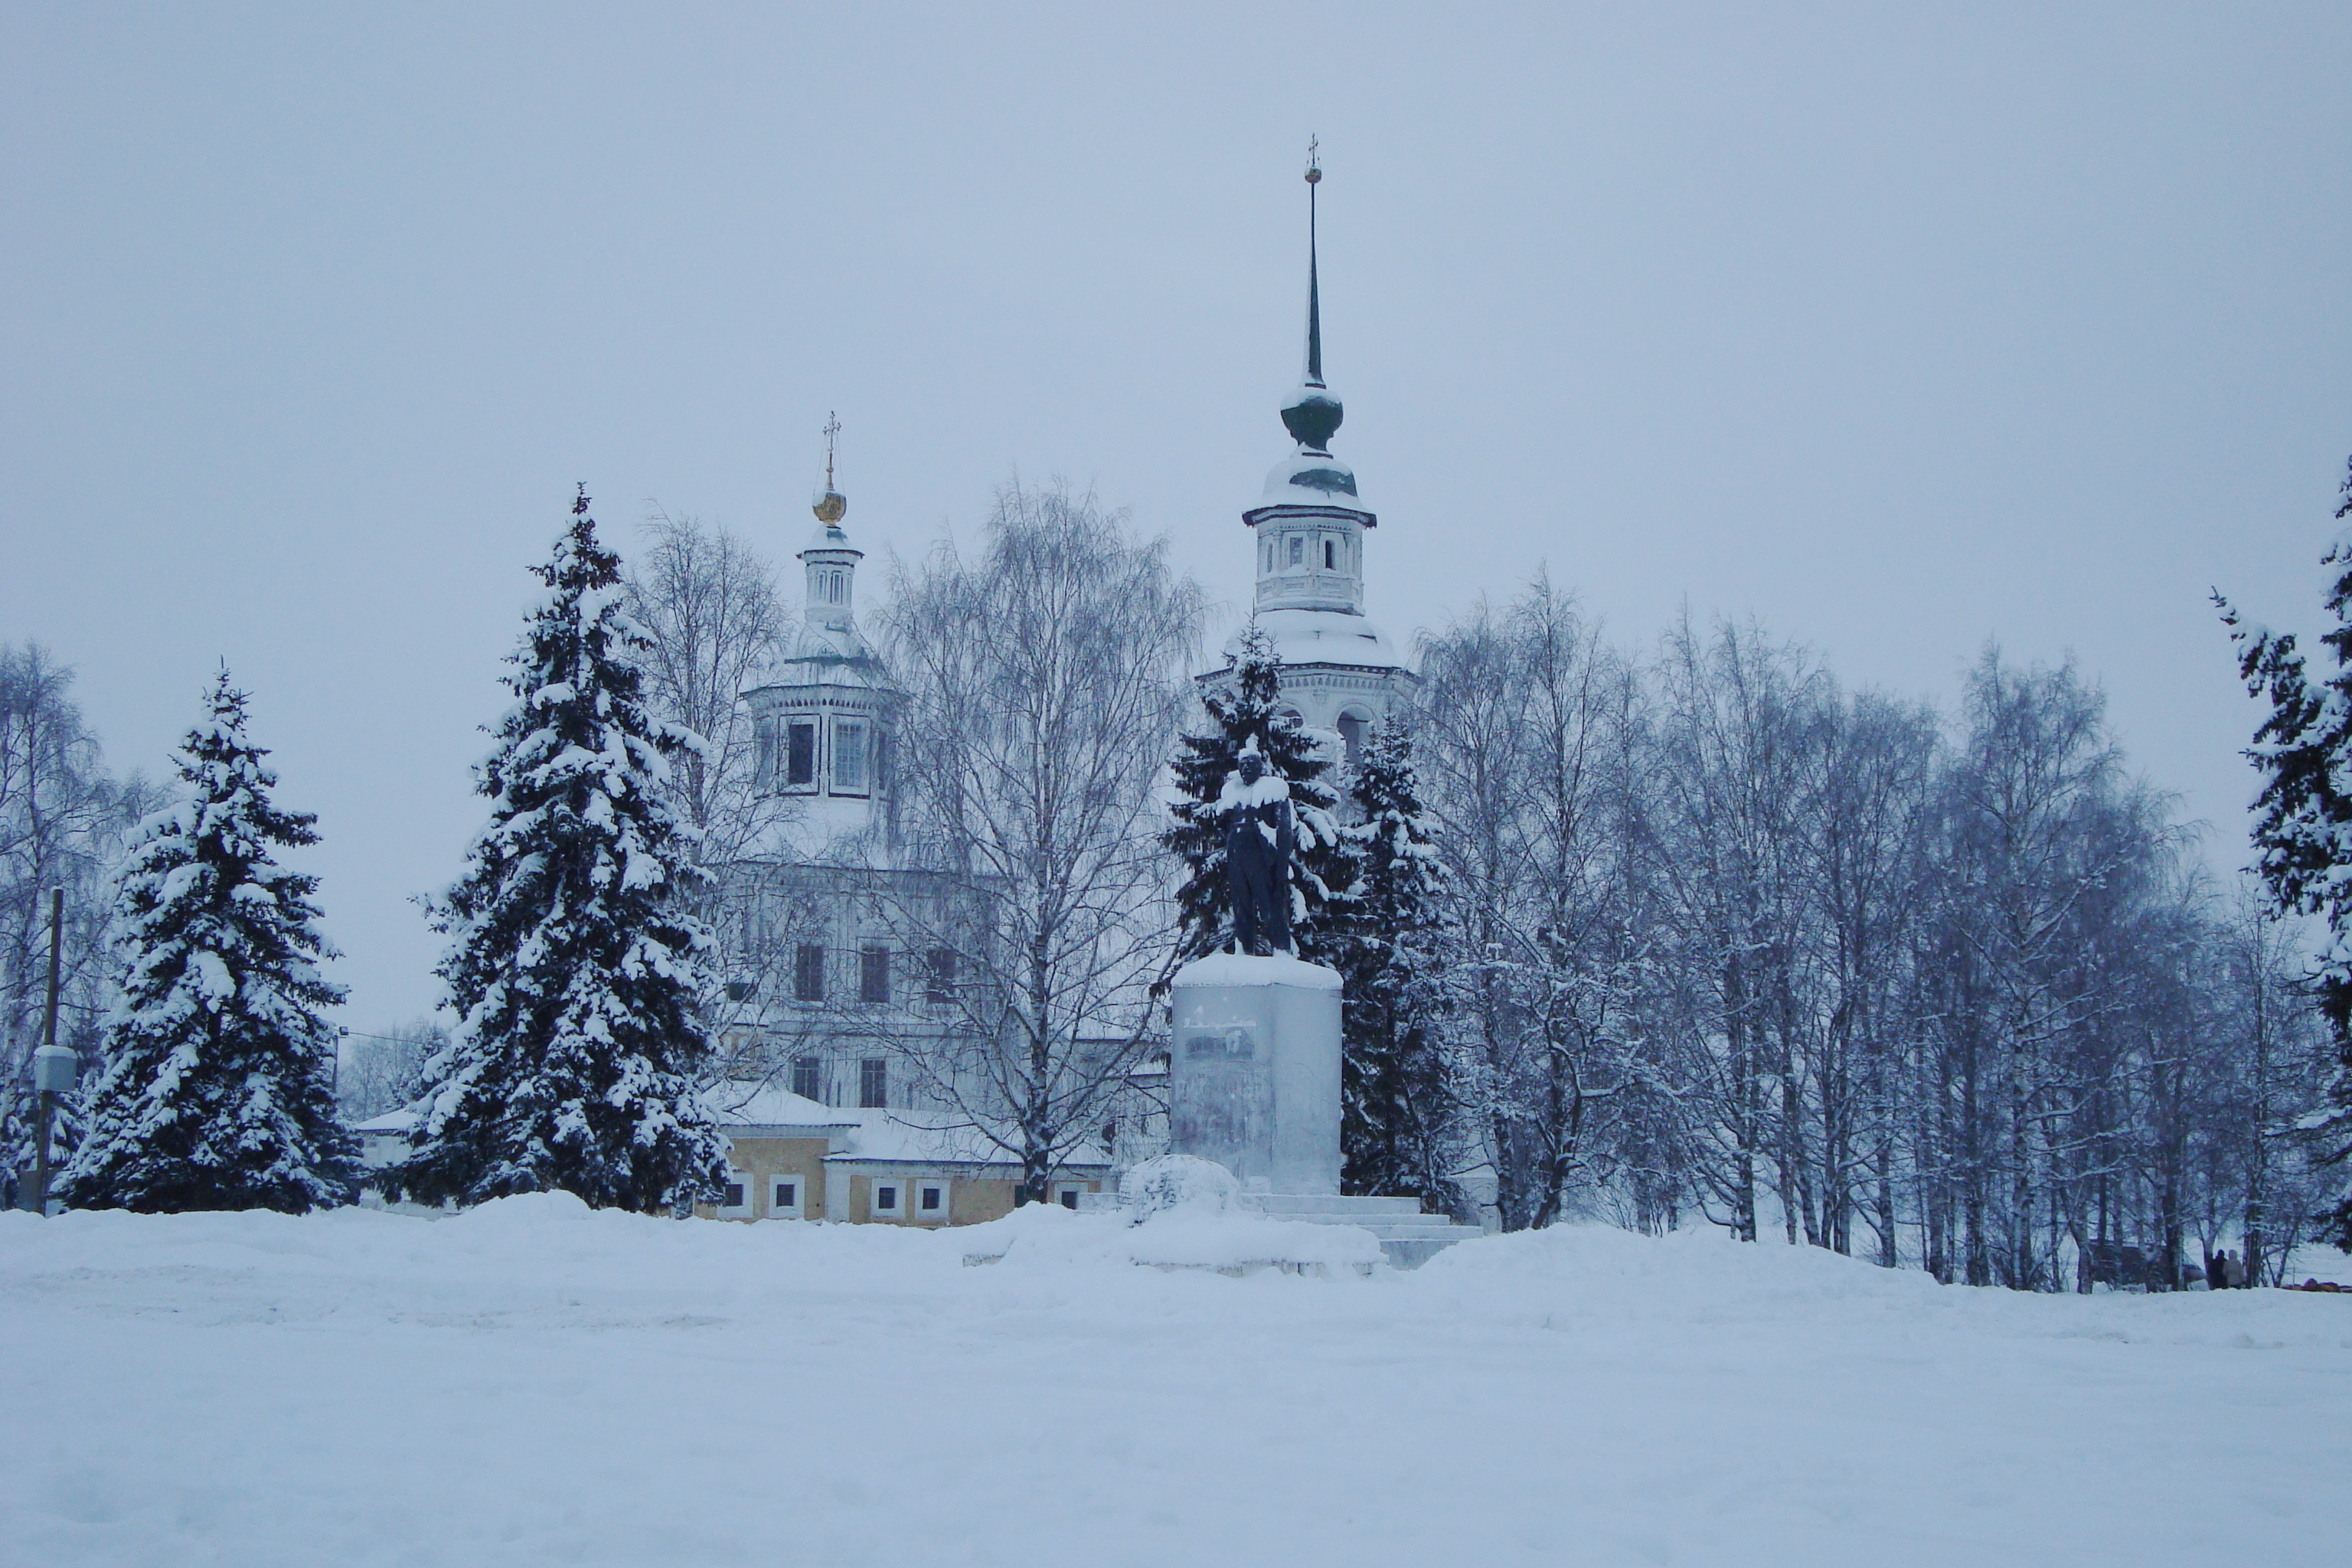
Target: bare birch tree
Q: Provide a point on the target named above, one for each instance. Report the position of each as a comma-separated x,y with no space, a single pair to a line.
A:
708,604
1044,683
63,821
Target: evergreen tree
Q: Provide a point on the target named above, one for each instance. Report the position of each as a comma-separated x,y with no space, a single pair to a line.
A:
575,966
218,1090
2303,822
1394,1130
1245,707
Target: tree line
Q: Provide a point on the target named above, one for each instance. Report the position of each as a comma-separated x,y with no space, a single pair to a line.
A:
1946,989
1691,932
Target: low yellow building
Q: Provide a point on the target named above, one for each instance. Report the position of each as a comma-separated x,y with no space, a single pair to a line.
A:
793,1158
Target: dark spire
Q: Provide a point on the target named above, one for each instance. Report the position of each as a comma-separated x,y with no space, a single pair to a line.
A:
1314,417
1314,283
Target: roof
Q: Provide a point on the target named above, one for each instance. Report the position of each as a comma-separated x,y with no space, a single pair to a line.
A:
742,1105
1325,636
890,1137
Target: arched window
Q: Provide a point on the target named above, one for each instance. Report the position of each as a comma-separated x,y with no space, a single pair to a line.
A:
1352,725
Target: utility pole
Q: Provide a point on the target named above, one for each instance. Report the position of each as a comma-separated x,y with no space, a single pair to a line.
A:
45,1068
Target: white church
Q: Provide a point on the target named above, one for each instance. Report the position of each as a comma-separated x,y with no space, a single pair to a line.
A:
829,1129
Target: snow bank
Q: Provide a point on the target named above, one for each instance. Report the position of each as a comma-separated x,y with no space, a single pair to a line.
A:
1191,1235
535,1382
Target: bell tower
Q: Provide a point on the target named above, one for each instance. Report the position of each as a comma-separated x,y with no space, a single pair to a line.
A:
1308,530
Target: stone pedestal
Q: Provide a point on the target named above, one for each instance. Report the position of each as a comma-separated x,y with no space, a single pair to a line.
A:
1253,1070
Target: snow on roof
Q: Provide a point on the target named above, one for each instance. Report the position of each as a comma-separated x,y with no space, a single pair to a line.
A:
937,1137
400,1121
1245,969
1323,636
748,1105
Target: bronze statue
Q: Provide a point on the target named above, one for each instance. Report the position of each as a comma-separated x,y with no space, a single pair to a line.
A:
1260,835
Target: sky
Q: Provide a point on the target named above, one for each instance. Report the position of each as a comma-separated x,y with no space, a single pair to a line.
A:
1900,330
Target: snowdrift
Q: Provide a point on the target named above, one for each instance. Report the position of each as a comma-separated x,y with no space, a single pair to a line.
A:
535,1381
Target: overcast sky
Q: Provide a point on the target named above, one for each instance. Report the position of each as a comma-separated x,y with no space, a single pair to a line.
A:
1898,328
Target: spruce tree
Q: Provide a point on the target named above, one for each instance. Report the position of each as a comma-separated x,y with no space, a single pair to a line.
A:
1396,1115
218,1090
2302,821
1247,707
574,963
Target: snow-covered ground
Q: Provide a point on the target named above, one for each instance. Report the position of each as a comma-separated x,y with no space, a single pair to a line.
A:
532,1383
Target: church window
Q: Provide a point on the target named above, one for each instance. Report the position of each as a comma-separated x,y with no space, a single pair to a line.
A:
808,1077
849,756
1352,735
1298,545
874,974
800,753
763,735
940,979
873,1083
808,973
1331,550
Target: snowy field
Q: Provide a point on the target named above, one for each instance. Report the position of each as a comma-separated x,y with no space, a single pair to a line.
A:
532,1383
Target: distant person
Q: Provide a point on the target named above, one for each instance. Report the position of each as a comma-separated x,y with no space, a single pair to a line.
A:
2212,1269
8,1190
2235,1267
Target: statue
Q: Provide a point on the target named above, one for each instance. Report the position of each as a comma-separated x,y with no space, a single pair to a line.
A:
1259,836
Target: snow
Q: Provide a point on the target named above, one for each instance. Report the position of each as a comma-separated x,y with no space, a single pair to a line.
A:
1049,1238
1245,969
533,1382
1323,636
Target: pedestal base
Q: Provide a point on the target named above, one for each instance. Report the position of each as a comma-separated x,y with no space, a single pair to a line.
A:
1253,1070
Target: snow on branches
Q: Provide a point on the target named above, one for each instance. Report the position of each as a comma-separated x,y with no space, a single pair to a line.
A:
218,1089
574,963
1245,708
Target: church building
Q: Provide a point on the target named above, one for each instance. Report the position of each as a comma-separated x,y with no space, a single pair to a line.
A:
827,1122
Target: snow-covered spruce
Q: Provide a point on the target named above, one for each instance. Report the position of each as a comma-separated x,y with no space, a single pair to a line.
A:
1396,1129
1323,870
574,964
218,1090
2303,822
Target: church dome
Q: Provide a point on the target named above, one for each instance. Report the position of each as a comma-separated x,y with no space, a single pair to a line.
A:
1311,478
829,536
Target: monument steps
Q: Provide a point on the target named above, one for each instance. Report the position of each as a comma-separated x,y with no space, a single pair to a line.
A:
1407,1236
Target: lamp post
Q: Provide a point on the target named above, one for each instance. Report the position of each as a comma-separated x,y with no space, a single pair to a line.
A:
54,1067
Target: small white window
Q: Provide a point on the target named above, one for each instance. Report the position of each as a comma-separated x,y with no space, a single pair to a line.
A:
932,1201
1298,545
735,1202
888,1199
784,1194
